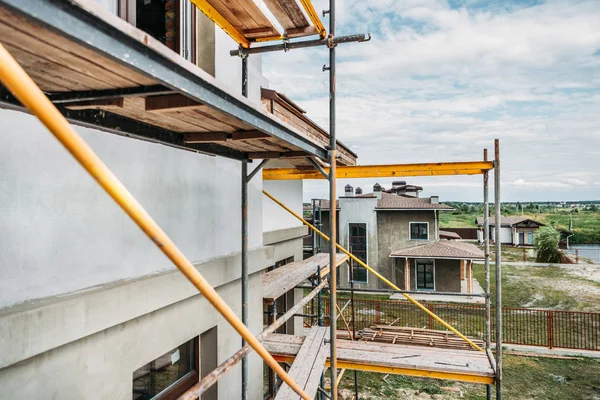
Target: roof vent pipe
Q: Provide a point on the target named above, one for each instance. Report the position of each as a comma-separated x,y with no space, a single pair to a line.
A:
349,191
377,190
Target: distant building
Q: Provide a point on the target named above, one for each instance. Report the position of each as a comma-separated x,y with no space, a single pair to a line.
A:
396,232
517,231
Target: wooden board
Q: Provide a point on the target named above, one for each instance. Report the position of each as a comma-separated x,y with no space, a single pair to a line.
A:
370,355
308,365
246,17
283,279
287,13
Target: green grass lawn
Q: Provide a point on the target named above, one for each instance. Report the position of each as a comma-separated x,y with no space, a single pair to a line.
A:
524,378
543,287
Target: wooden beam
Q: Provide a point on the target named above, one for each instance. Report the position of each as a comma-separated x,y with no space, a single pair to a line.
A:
259,32
208,137
170,102
275,154
100,104
204,137
306,31
248,135
384,171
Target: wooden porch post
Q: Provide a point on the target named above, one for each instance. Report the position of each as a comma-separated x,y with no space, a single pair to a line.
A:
406,274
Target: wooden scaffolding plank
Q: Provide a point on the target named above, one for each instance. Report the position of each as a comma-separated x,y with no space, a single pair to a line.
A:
453,364
283,279
287,13
308,365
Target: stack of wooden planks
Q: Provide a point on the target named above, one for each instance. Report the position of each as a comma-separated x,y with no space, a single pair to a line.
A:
414,336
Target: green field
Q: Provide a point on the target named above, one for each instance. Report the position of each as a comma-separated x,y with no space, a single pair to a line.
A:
586,224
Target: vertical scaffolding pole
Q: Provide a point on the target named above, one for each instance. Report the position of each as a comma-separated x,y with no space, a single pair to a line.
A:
351,266
244,240
332,203
486,250
244,75
244,272
498,248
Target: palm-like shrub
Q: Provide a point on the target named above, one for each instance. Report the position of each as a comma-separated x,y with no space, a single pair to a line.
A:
546,246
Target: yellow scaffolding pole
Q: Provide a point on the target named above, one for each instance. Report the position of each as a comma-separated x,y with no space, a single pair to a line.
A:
30,95
385,369
221,22
377,274
383,171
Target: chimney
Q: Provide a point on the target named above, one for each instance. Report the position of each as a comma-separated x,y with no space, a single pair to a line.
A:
358,191
435,199
349,191
377,190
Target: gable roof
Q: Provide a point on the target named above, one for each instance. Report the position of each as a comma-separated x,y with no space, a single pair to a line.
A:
395,202
509,221
449,235
442,249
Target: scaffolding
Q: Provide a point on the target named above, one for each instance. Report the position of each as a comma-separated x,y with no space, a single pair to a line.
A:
166,82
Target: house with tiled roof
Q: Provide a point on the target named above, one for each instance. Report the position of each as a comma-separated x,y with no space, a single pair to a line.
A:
396,232
515,230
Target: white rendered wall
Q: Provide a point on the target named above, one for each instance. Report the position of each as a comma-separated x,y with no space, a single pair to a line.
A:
359,210
61,233
229,69
289,193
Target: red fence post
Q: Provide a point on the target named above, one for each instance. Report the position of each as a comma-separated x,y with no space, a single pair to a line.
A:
550,328
378,312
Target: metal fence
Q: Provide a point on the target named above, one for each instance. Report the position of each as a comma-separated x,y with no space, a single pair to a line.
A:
524,326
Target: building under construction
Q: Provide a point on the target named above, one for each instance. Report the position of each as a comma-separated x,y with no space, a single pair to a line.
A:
163,104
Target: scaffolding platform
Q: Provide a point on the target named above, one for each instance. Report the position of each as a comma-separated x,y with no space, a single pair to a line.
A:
101,71
308,365
430,362
283,279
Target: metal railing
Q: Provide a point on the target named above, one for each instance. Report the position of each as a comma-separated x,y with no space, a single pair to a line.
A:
522,326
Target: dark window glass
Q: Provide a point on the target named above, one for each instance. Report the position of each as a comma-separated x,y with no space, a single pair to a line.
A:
418,231
169,375
425,275
358,247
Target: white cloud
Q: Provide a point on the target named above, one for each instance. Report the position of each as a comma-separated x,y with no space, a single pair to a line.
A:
439,84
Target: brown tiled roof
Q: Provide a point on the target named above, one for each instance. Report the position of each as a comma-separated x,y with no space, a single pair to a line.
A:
443,249
450,235
507,221
394,202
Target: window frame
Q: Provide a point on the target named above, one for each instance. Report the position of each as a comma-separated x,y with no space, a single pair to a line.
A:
428,261
183,384
410,224
350,265
127,11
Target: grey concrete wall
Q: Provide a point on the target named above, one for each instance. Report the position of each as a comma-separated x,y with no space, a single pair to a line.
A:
61,233
447,275
393,233
101,365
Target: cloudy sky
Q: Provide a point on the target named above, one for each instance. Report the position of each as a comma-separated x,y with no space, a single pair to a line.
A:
441,79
